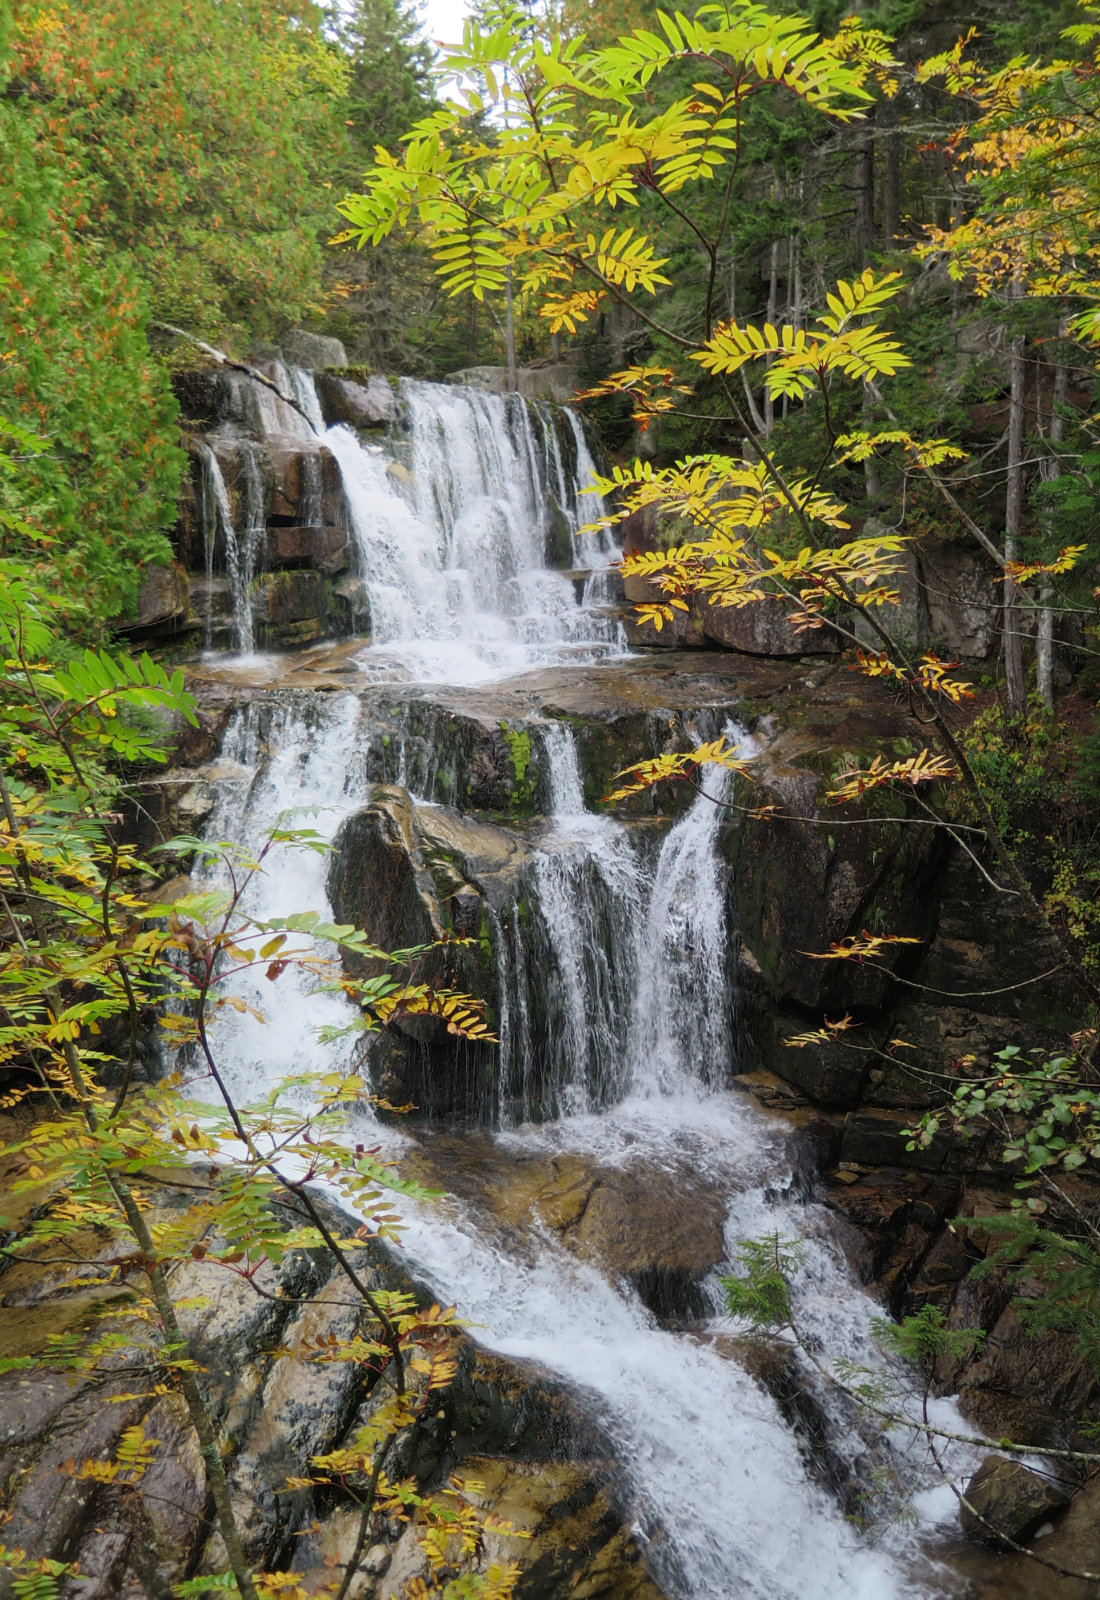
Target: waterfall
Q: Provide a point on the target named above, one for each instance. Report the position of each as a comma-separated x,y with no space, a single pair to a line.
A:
681,1028
626,961
454,535
723,1500
581,955
614,970
466,527
266,414
718,1485
298,762
240,550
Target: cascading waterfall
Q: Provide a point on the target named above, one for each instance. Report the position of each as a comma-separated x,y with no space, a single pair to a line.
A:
299,761
722,1496
625,959
578,968
267,414
681,1025
721,1492
615,1017
239,549
453,540
467,531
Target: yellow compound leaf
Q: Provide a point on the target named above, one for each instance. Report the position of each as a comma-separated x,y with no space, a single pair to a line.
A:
1022,572
826,1034
859,947
922,768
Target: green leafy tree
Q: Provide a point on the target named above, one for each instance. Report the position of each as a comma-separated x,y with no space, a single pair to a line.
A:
385,306
75,368
189,138
163,161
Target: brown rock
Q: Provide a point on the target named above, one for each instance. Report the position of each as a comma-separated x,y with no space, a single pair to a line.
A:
305,486
802,888
1031,1388
372,404
1004,1497
289,597
764,628
575,1542
163,602
325,549
659,1227
877,1138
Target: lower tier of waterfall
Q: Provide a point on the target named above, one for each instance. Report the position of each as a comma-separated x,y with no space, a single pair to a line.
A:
617,1014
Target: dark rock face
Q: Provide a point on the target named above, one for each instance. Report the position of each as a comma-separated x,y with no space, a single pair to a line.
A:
1005,1497
324,549
1032,1387
286,502
162,605
765,629
369,405
411,875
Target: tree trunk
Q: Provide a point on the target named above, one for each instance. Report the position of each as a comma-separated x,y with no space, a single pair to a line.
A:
864,182
1050,469
891,181
773,299
871,481
1014,499
510,331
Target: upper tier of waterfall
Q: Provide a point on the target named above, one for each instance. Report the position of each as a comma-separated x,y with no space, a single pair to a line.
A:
466,527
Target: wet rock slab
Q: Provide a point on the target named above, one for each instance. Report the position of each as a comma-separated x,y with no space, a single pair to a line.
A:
1005,1498
658,1226
543,1466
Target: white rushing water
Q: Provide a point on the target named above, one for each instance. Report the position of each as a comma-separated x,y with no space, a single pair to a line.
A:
616,1008
628,967
239,548
300,762
719,1485
453,545
452,526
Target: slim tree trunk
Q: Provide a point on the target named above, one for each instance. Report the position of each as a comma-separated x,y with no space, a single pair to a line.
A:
510,331
871,481
773,299
1014,500
864,182
796,292
1050,469
891,181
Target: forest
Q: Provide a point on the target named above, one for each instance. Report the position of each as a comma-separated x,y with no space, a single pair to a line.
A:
550,800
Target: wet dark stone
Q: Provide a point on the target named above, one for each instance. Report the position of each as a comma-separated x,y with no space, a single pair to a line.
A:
1005,1497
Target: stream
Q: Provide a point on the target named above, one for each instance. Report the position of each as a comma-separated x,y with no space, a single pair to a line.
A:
620,1034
